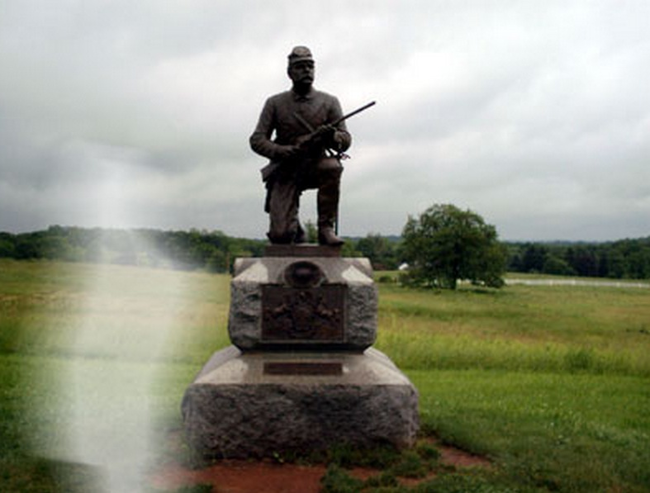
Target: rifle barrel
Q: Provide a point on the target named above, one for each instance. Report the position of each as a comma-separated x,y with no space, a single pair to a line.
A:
352,113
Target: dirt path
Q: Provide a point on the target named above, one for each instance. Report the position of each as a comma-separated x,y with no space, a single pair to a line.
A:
245,477
267,476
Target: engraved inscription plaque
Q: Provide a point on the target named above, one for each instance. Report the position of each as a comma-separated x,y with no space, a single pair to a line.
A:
303,368
311,314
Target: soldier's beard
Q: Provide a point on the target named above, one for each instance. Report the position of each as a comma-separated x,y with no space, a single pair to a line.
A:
303,86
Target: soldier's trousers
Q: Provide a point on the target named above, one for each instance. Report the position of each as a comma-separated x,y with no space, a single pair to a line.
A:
284,199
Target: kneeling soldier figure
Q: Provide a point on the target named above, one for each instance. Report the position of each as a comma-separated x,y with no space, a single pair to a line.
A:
302,132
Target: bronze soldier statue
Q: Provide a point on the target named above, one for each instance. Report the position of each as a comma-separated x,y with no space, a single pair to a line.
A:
302,132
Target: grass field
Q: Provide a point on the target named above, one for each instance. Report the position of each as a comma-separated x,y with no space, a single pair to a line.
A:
551,383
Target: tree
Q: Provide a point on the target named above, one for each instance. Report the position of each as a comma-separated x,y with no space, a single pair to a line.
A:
557,266
445,244
7,245
583,260
379,251
534,258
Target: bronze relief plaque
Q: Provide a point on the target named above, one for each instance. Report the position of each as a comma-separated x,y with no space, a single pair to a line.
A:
293,314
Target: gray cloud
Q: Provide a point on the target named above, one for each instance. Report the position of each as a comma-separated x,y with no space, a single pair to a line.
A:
122,114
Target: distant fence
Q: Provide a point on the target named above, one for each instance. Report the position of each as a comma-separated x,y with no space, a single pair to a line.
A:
577,282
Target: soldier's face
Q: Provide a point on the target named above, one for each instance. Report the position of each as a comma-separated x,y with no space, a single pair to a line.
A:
302,73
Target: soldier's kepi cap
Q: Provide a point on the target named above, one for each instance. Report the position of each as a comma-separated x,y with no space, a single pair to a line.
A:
300,54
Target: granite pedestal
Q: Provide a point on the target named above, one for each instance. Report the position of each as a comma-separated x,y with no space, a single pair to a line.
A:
300,375
256,404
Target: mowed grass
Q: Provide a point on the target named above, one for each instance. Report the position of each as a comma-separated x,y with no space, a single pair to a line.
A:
551,383
93,360
59,309
522,328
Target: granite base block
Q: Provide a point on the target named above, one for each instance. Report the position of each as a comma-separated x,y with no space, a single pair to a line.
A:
356,314
237,408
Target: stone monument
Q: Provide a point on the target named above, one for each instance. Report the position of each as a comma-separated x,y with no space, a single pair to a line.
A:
301,374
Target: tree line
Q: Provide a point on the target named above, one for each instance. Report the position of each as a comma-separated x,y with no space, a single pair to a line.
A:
187,250
623,259
215,251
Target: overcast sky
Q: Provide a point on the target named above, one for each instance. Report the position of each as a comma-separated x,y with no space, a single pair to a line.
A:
535,114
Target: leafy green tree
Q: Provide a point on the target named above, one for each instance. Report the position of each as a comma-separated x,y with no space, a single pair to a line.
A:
349,249
534,258
379,250
445,244
583,260
7,248
556,265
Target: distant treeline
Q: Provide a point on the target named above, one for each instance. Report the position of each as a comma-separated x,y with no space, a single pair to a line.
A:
623,259
628,259
187,250
215,251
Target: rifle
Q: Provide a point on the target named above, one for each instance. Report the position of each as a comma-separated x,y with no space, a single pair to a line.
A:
314,133
352,113
268,170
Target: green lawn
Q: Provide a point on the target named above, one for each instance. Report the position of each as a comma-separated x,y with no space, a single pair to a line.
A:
551,383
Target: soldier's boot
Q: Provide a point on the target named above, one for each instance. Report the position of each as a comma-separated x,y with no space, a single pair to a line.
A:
327,204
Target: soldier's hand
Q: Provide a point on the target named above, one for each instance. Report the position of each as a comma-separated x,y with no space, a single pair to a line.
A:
338,140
